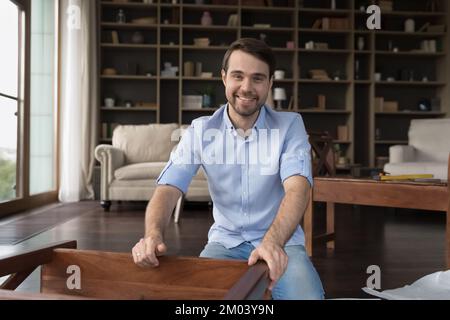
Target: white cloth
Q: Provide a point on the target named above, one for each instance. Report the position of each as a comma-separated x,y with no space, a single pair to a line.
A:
435,286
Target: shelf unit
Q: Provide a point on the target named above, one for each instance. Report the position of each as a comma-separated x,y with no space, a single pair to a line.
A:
350,100
399,55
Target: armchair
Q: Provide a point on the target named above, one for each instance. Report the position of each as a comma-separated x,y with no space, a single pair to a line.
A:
427,150
131,165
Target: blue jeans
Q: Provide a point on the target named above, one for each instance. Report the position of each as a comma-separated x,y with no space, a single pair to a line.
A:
300,280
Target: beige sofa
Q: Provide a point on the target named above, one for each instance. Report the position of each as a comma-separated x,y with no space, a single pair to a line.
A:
427,151
131,165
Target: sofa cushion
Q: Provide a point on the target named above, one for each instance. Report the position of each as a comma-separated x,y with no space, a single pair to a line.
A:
437,169
147,170
145,143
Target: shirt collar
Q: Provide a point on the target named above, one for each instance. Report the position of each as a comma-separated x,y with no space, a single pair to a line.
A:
259,124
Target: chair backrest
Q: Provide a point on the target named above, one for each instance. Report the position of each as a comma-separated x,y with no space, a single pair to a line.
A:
430,138
145,143
322,153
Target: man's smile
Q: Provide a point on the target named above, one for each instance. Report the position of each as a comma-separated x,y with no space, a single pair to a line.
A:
245,99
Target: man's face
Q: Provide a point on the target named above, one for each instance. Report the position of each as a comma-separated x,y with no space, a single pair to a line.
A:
247,83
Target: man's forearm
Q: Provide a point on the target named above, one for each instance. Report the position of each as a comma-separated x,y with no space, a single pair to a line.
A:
290,213
160,209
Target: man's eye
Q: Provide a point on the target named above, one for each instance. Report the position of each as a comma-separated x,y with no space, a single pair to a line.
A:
237,77
258,79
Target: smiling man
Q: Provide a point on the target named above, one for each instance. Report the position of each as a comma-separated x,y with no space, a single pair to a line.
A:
256,211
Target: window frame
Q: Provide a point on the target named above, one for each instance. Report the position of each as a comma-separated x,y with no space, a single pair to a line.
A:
25,201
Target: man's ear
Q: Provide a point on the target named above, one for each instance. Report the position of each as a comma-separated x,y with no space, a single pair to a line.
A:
271,82
224,77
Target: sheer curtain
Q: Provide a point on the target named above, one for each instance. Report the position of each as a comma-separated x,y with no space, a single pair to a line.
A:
78,114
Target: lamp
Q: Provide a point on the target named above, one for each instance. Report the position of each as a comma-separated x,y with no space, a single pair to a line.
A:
279,95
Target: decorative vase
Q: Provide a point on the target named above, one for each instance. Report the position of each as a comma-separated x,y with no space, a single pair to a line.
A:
206,101
410,25
333,4
137,38
120,17
206,19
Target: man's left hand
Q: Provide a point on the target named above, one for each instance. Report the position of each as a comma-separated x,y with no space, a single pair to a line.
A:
275,258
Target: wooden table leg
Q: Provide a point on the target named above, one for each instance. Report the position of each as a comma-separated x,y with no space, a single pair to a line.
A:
447,236
447,229
330,224
178,209
308,225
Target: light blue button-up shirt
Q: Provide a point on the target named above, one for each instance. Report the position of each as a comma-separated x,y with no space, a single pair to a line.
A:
245,175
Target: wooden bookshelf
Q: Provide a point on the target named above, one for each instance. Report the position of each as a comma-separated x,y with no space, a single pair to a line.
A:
350,100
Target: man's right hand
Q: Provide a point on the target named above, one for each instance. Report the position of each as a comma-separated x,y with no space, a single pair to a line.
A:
146,251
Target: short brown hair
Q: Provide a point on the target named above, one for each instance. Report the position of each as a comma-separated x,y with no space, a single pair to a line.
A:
257,48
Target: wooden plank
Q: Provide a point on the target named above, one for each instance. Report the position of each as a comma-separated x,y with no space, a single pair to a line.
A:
13,295
31,259
258,276
115,276
447,229
16,279
125,290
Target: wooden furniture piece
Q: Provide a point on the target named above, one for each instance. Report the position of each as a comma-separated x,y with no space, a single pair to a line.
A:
396,194
322,153
108,275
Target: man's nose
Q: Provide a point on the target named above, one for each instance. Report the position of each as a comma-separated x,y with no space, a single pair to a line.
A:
246,85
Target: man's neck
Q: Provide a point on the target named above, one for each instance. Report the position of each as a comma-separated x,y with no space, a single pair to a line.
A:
240,122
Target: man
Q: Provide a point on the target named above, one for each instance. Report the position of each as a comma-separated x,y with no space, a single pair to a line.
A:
258,166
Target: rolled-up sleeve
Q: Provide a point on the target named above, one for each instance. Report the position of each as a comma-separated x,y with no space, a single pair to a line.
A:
295,157
183,163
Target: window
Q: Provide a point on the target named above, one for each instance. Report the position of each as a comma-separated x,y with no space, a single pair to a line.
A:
43,92
11,98
28,100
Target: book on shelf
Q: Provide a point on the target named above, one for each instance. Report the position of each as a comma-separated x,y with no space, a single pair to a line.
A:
386,5
402,177
192,102
233,20
317,24
115,37
334,23
318,74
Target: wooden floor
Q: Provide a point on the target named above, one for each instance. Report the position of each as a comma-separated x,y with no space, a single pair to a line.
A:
405,244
